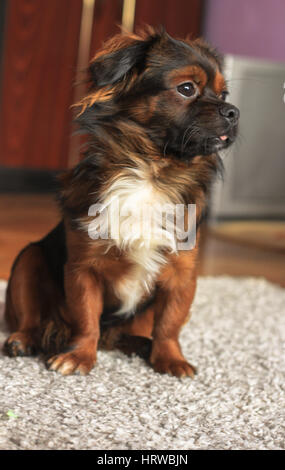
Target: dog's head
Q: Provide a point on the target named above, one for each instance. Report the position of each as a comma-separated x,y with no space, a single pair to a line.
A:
173,88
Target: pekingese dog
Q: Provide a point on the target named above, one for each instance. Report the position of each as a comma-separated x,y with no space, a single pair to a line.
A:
117,272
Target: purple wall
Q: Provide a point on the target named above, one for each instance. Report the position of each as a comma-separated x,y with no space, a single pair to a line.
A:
253,28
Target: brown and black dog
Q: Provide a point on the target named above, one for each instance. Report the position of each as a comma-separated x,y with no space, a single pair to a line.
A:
156,117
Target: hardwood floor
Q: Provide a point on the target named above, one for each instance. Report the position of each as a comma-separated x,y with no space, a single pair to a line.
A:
219,256
25,218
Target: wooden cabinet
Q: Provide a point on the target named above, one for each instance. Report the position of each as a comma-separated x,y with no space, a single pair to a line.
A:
39,60
40,57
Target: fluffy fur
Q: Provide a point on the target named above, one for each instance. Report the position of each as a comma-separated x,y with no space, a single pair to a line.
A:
155,117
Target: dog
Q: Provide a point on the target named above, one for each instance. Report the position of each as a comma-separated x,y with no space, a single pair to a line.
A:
156,117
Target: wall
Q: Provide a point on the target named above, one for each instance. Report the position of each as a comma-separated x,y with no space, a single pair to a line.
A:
253,28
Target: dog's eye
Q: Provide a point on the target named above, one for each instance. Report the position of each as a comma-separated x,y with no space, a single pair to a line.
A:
224,95
186,89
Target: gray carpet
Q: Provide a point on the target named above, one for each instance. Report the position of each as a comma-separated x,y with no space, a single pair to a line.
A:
237,401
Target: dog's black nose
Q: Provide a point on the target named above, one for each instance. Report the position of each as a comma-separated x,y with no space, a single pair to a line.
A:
230,112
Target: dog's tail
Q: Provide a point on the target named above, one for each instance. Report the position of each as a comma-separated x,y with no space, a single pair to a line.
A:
115,338
56,335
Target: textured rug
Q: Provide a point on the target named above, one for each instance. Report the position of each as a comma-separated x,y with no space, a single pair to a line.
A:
236,338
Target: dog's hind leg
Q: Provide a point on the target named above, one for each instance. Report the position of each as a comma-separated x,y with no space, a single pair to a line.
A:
26,302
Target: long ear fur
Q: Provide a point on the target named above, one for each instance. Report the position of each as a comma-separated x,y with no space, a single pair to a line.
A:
119,56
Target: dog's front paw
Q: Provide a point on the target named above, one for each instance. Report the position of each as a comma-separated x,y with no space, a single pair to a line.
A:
75,362
19,344
178,368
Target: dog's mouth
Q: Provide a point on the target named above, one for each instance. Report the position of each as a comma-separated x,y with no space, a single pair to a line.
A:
210,145
222,141
201,141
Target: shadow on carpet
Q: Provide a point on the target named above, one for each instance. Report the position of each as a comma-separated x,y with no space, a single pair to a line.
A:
237,401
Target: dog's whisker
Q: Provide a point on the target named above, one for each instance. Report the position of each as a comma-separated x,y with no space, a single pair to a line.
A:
165,147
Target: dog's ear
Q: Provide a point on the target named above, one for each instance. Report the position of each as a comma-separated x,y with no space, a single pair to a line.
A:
110,67
210,51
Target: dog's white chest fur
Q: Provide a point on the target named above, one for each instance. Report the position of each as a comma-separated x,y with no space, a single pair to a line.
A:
140,231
